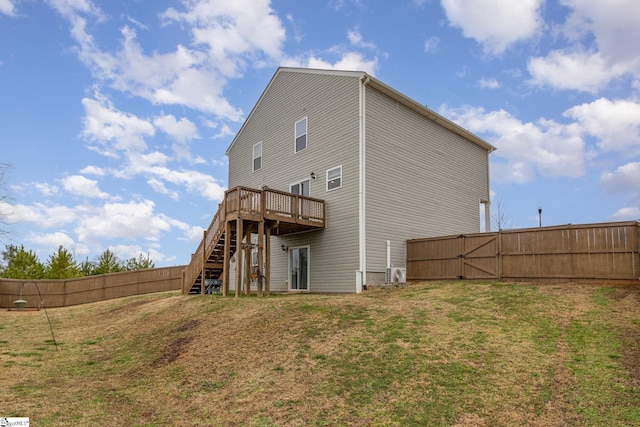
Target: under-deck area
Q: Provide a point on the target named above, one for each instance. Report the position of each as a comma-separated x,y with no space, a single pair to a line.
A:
243,213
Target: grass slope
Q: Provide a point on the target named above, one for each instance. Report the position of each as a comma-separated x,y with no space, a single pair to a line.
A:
445,353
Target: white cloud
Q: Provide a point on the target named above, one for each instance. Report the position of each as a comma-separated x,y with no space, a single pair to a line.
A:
194,234
131,220
525,149
182,130
186,77
126,252
486,83
69,8
81,186
582,71
615,123
194,181
159,187
114,129
7,7
614,24
92,224
93,170
51,241
232,31
45,188
355,38
43,215
431,44
496,24
605,39
625,179
351,61
223,132
626,214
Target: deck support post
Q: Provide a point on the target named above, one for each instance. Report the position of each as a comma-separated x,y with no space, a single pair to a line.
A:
238,255
226,263
247,260
260,255
204,261
267,259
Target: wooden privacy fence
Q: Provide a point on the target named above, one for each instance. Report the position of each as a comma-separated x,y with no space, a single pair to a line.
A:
82,290
606,252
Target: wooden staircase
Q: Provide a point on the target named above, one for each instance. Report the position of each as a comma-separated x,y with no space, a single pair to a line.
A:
243,212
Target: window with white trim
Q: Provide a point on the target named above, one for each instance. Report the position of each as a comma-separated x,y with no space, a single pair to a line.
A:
301,187
257,156
301,135
334,178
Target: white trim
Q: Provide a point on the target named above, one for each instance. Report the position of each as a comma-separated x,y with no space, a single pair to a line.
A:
327,178
306,135
362,179
253,157
308,248
300,182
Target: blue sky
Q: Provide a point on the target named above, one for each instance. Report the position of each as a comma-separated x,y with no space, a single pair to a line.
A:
115,116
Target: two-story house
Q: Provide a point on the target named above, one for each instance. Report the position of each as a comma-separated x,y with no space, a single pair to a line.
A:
374,166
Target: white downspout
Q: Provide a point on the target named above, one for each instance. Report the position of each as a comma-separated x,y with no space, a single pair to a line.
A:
388,254
362,238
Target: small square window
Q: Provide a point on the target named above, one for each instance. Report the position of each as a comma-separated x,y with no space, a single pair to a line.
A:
334,178
257,156
301,135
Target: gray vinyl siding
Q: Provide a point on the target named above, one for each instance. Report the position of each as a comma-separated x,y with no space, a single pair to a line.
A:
422,180
331,104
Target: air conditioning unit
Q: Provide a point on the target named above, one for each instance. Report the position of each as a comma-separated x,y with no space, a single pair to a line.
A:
396,275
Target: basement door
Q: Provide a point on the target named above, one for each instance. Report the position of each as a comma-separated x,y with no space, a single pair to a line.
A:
299,268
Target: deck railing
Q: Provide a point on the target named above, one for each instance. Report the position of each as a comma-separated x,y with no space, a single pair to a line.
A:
300,209
254,205
210,238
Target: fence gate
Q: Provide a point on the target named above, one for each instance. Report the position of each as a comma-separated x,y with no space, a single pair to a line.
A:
478,256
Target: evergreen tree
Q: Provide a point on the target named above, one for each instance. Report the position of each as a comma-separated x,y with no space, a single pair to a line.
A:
21,264
108,262
143,261
86,267
61,265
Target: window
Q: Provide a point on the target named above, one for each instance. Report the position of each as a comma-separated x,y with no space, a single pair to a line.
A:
254,257
301,135
301,188
257,156
334,178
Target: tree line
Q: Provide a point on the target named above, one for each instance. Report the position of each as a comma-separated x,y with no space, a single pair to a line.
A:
16,262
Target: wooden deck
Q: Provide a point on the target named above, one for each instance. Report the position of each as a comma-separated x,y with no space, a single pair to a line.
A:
243,212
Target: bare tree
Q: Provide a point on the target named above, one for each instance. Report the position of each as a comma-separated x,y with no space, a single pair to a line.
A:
499,217
4,199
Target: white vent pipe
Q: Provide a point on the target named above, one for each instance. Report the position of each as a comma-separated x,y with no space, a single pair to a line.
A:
388,253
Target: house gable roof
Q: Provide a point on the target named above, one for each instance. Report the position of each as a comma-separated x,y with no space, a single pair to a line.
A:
382,88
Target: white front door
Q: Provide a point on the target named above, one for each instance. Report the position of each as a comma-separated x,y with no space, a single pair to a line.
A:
299,268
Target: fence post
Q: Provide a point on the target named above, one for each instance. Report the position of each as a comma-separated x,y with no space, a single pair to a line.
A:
499,254
571,253
64,293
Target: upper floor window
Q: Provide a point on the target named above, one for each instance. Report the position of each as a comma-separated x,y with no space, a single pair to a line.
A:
334,178
301,135
257,156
